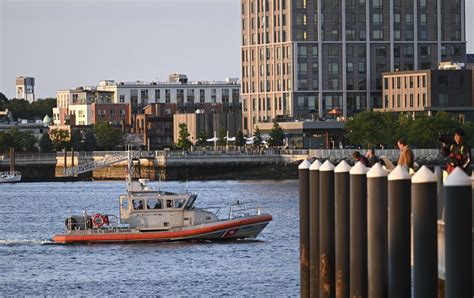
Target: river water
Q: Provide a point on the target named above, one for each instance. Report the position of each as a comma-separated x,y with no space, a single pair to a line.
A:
31,213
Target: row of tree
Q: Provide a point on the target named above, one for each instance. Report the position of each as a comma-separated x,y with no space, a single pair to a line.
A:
100,137
275,138
372,129
21,108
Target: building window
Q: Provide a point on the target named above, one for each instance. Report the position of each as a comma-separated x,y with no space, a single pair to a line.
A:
377,34
167,96
377,19
112,113
350,67
202,95
443,99
377,3
157,95
122,113
361,68
408,51
333,68
425,51
122,98
443,80
423,19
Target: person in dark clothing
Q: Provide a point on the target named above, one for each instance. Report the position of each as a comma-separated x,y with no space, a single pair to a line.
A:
358,157
458,154
371,157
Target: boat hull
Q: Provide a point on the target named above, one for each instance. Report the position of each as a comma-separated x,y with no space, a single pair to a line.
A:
10,179
246,227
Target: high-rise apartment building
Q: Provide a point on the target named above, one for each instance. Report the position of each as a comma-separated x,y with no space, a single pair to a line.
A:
307,59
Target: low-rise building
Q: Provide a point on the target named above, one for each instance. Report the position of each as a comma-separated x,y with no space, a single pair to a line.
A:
210,123
82,106
430,91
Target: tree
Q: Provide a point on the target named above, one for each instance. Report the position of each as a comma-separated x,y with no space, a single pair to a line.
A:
3,101
221,134
276,135
20,108
77,141
60,138
201,138
23,140
424,131
257,141
239,139
370,129
183,135
107,137
90,143
45,143
6,141
468,128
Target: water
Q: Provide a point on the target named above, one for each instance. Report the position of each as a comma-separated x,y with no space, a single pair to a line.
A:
31,213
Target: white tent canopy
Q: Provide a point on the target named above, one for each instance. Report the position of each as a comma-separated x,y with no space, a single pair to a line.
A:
214,139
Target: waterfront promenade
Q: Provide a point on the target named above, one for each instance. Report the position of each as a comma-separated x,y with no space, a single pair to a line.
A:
191,165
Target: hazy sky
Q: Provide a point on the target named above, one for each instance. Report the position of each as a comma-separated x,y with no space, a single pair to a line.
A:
71,43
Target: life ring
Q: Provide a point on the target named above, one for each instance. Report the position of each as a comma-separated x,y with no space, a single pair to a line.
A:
98,220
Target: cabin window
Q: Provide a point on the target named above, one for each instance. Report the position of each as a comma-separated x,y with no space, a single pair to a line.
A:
169,203
137,204
124,203
178,203
190,203
154,204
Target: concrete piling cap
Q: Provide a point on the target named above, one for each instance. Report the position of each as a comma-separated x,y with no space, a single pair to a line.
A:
457,178
423,175
377,171
304,165
326,166
315,165
358,169
342,167
399,173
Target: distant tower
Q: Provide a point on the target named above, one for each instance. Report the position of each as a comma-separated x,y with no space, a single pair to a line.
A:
25,88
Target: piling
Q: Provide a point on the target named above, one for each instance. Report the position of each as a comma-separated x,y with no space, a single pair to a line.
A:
399,221
425,233
458,234
358,231
12,159
438,172
377,231
341,198
326,230
303,174
314,228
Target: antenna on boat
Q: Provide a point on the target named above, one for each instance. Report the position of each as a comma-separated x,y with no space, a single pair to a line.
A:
187,178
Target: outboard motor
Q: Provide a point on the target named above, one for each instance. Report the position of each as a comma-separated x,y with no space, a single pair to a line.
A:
78,222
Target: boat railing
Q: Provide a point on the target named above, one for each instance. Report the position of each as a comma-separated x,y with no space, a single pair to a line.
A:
10,173
243,209
212,209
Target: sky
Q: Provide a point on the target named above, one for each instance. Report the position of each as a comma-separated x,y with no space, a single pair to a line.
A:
71,43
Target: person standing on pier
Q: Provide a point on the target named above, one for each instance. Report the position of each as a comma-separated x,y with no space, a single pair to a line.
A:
371,157
358,157
458,153
406,155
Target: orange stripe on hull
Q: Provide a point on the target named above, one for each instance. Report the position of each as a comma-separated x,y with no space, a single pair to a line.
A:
150,236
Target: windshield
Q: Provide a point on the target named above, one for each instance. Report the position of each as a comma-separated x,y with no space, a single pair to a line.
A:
190,203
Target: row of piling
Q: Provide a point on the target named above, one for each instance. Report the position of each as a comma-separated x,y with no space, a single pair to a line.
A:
357,226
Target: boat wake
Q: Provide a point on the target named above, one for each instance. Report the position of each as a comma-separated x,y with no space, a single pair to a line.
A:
7,242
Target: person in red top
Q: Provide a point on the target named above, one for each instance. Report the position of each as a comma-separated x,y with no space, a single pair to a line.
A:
358,157
458,153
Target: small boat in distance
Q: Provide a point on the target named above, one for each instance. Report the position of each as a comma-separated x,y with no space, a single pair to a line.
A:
14,176
148,215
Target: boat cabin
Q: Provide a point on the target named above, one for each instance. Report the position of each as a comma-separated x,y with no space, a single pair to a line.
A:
147,209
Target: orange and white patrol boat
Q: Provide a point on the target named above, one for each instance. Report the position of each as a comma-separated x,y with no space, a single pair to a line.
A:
148,215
